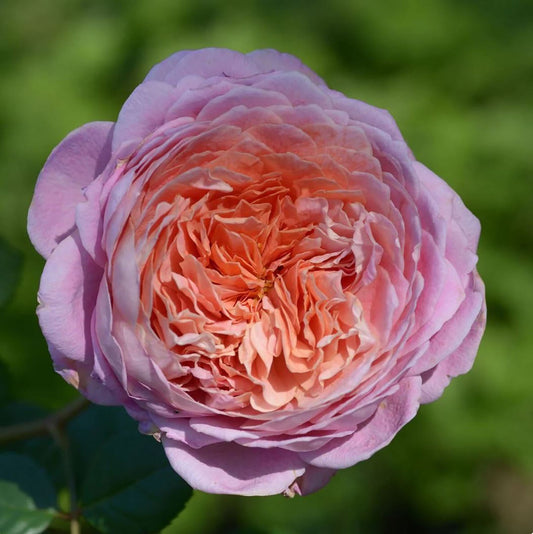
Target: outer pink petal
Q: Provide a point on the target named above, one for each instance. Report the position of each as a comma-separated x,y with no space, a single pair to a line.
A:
89,220
452,334
143,112
210,62
450,204
72,165
473,316
233,469
367,114
392,414
240,95
206,62
67,294
299,89
268,60
312,480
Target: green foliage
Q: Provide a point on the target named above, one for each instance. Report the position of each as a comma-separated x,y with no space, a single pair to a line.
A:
10,263
5,388
43,450
18,514
91,430
26,496
29,477
122,478
132,489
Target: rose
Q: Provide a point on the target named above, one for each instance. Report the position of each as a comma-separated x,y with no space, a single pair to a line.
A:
257,269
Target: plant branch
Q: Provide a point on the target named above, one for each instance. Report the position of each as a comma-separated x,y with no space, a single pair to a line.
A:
62,440
45,425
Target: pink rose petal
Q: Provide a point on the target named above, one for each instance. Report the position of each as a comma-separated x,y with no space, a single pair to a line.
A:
73,165
230,468
392,414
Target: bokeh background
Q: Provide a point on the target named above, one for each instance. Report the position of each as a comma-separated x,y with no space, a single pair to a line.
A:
458,77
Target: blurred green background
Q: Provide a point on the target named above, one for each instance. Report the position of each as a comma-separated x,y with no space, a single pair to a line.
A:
458,77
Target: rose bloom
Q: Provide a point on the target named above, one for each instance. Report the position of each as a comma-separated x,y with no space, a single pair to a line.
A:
257,268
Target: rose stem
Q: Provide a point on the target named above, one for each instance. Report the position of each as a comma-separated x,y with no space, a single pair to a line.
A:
42,426
59,434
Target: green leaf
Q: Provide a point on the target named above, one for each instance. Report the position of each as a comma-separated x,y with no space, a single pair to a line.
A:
5,389
20,412
90,430
26,496
29,477
18,514
130,487
10,263
42,449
